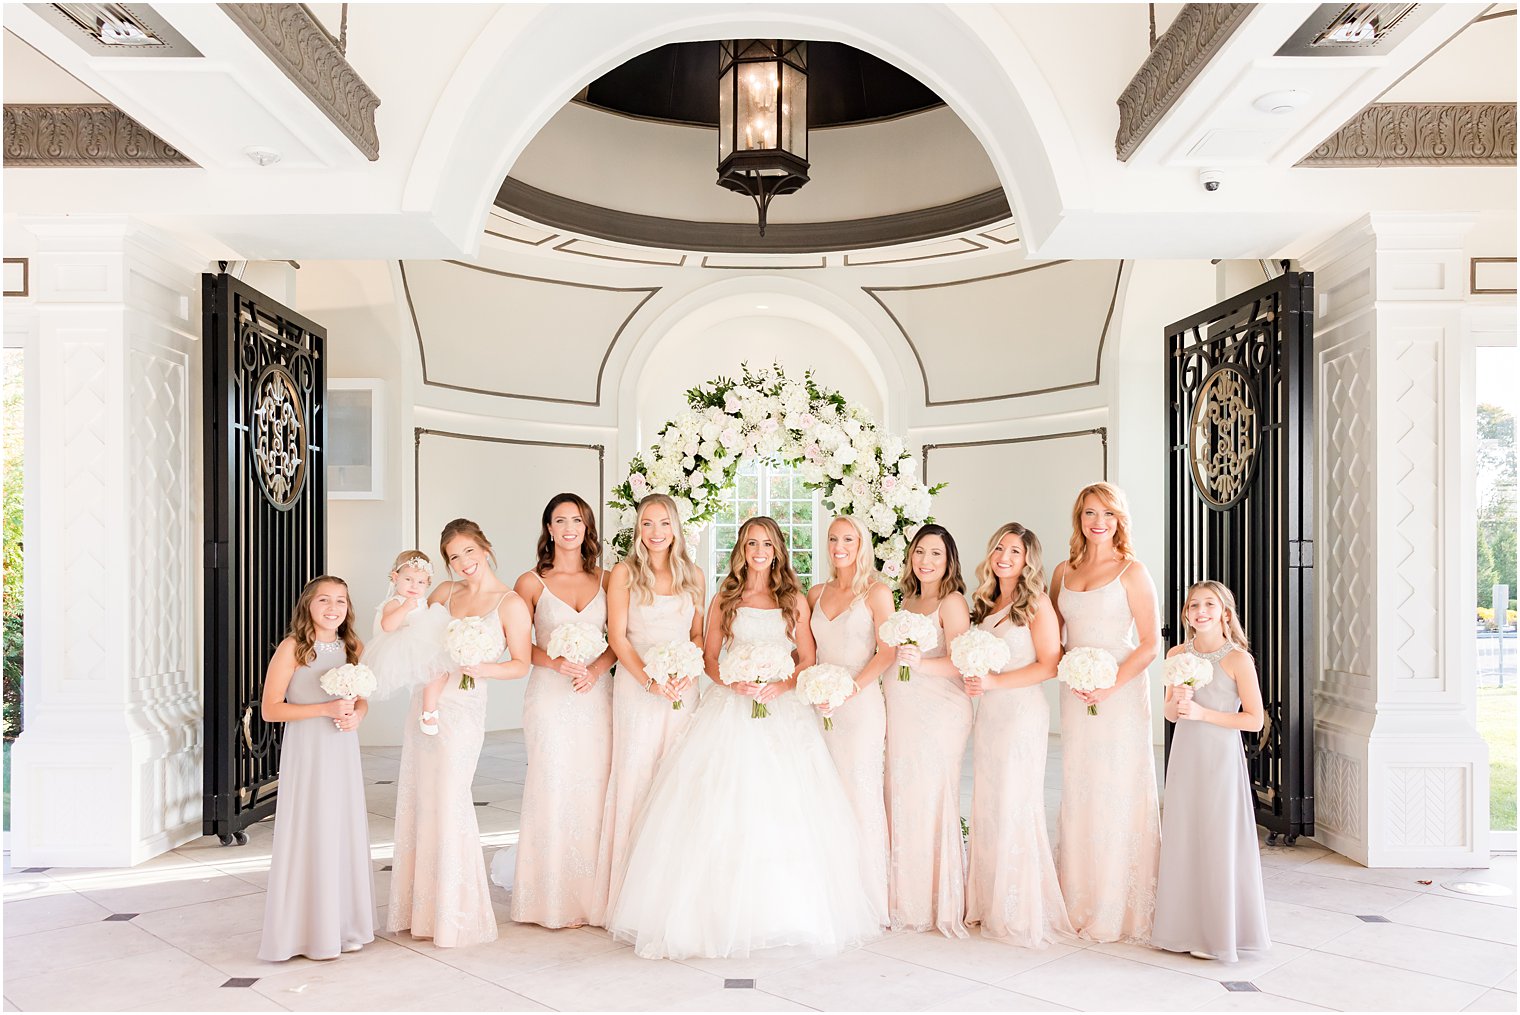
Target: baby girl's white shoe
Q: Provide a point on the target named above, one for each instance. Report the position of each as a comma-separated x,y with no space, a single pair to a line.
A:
422,723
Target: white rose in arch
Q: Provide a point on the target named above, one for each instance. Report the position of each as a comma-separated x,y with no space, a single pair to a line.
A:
638,484
730,438
845,455
892,567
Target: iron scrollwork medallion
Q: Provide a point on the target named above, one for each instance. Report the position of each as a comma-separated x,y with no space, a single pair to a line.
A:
1224,434
277,433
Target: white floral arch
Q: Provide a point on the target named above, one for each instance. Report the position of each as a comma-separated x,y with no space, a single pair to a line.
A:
833,442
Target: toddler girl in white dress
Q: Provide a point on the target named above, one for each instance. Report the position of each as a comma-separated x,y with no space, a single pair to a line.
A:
407,647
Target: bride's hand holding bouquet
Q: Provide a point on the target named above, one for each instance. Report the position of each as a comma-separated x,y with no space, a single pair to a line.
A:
758,670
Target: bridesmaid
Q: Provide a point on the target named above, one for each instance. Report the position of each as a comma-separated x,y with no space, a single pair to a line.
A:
1209,898
1109,829
567,724
928,723
439,888
654,596
1012,889
847,610
321,897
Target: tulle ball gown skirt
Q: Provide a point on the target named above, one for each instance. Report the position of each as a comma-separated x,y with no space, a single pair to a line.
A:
747,841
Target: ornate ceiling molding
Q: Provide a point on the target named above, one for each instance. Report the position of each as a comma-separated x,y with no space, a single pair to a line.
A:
97,136
291,37
1182,51
1422,134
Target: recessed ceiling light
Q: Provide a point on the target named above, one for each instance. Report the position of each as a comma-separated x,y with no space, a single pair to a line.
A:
262,156
762,306
1286,101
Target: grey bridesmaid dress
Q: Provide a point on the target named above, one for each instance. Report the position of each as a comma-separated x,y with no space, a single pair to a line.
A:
321,896
1209,896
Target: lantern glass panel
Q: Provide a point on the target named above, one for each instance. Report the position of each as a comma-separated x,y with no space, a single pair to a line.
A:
758,111
794,111
726,113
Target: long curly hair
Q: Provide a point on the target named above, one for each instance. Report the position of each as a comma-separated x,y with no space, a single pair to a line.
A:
1111,497
463,527
303,630
591,544
783,585
1231,619
1030,585
685,578
951,583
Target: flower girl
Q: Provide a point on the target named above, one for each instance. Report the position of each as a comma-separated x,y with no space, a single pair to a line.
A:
1209,898
321,897
407,646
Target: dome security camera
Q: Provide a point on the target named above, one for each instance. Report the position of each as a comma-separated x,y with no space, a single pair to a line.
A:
1211,179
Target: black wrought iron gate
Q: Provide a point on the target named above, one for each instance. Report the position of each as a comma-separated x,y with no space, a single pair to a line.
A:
1240,509
266,528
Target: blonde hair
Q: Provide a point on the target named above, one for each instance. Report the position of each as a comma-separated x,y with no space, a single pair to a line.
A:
1026,591
866,574
685,579
303,630
951,583
410,558
1233,632
784,584
1112,498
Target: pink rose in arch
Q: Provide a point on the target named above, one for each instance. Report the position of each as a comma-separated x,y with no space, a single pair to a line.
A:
888,484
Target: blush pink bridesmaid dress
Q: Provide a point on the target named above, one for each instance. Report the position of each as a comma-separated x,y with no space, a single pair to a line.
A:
1012,889
569,743
928,722
858,740
1109,841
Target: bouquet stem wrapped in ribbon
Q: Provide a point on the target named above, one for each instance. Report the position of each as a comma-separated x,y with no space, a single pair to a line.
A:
908,628
1088,669
755,662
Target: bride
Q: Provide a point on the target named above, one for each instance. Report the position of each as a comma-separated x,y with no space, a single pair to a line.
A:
747,840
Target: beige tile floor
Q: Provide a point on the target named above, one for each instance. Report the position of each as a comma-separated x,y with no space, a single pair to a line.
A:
187,930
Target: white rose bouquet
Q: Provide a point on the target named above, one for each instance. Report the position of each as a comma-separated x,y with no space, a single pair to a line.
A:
1088,669
908,628
978,653
351,680
469,643
673,660
756,662
579,643
826,684
1187,670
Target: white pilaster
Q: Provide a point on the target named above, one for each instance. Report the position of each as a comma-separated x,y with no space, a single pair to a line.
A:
1401,773
108,769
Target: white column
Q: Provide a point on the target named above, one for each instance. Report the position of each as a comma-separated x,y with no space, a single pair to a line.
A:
1401,773
108,769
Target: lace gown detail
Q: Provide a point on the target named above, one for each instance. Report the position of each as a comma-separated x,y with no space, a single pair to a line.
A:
569,745
321,896
644,726
928,723
747,840
1109,830
858,740
1011,888
439,888
1209,894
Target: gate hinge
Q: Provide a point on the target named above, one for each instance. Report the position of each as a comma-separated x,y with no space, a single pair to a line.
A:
1301,553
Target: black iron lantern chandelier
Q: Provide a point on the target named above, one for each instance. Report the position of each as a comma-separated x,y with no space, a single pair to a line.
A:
762,119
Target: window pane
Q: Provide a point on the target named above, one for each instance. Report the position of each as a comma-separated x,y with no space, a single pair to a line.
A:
748,490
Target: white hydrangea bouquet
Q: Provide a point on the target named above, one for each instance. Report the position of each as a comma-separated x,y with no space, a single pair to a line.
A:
1186,670
673,660
978,653
351,680
579,643
826,684
1088,669
833,443
756,662
908,628
470,642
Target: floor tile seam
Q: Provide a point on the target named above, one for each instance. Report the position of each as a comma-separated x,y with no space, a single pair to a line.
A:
1412,926
1385,965
1122,958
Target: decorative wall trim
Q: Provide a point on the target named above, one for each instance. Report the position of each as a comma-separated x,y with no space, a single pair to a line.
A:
1338,793
649,292
26,276
419,432
1421,134
823,262
568,247
1472,284
1427,806
929,400
972,246
1100,432
297,44
92,135
1183,50
569,215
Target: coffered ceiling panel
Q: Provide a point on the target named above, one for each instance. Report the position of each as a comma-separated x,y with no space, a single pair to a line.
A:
1027,331
495,332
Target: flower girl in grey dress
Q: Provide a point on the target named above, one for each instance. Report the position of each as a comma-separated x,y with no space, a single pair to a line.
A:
321,897
1209,898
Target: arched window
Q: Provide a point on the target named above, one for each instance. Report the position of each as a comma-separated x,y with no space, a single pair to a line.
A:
763,488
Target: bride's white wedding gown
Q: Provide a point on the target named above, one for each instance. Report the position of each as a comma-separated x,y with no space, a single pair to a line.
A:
747,840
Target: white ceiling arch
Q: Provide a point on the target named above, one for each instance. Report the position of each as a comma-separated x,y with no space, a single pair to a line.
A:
527,63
